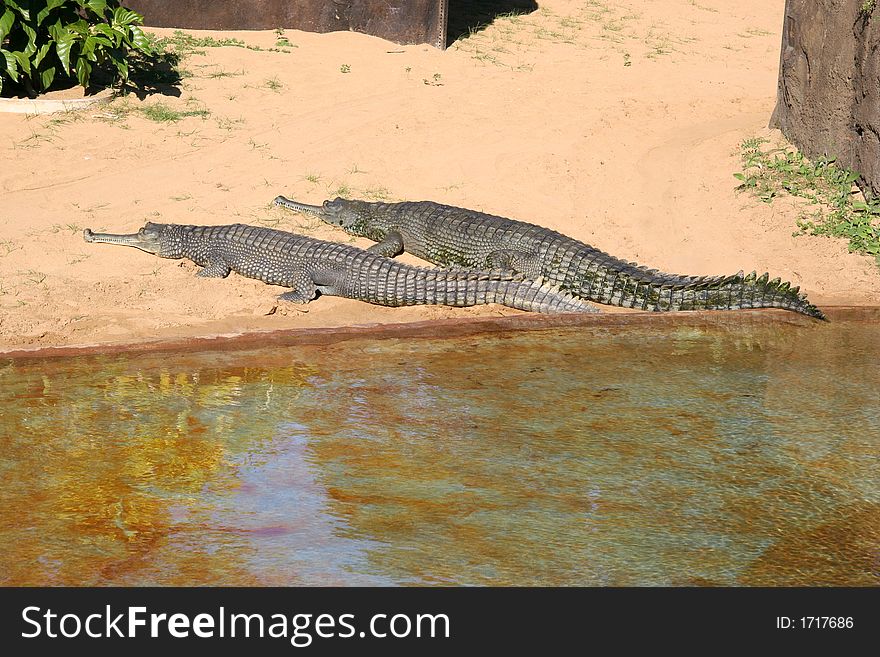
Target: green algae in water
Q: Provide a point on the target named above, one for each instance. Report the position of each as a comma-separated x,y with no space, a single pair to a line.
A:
634,456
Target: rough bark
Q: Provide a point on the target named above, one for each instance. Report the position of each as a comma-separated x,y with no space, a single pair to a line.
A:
829,84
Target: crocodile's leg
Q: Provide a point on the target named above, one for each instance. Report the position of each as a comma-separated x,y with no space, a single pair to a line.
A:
528,264
217,269
306,282
304,288
389,247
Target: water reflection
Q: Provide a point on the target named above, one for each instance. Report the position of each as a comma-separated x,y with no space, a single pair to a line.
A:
582,456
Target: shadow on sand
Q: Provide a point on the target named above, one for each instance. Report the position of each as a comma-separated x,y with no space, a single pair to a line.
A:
468,16
159,74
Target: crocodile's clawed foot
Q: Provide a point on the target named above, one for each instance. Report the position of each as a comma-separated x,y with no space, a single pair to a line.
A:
294,296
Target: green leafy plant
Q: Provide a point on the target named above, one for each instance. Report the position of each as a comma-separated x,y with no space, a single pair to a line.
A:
842,213
44,40
281,39
184,44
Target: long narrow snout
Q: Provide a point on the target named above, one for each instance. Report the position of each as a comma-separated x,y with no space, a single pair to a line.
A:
296,206
137,240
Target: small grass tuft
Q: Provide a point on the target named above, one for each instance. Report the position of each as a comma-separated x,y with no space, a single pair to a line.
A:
274,84
704,8
227,123
753,32
435,81
34,276
282,40
161,113
8,246
225,74
377,193
78,258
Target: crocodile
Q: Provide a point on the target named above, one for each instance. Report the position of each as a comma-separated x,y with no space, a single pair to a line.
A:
457,237
310,266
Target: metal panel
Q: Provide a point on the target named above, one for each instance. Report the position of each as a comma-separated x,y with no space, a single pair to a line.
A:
401,21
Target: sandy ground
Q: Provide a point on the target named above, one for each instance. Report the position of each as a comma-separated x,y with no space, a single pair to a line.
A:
615,122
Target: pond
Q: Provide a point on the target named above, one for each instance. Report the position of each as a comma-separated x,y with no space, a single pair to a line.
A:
592,455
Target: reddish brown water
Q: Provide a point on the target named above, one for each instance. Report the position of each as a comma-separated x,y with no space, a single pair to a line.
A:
593,455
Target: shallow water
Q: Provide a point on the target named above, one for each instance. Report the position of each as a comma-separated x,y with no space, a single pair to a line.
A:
598,456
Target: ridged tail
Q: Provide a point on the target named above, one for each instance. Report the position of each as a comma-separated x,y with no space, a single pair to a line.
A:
405,285
710,293
540,297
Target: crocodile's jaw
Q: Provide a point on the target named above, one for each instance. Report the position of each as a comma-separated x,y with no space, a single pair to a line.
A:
296,206
336,213
137,240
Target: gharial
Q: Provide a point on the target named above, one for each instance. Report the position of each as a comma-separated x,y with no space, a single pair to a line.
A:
309,266
452,236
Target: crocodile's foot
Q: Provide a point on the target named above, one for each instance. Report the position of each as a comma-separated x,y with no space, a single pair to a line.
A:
295,296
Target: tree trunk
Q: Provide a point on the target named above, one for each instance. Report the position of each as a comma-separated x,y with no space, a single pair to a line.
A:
829,84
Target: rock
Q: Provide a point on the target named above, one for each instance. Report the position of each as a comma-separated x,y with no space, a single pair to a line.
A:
266,309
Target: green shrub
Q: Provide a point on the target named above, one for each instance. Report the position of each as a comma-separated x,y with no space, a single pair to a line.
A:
43,40
840,212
